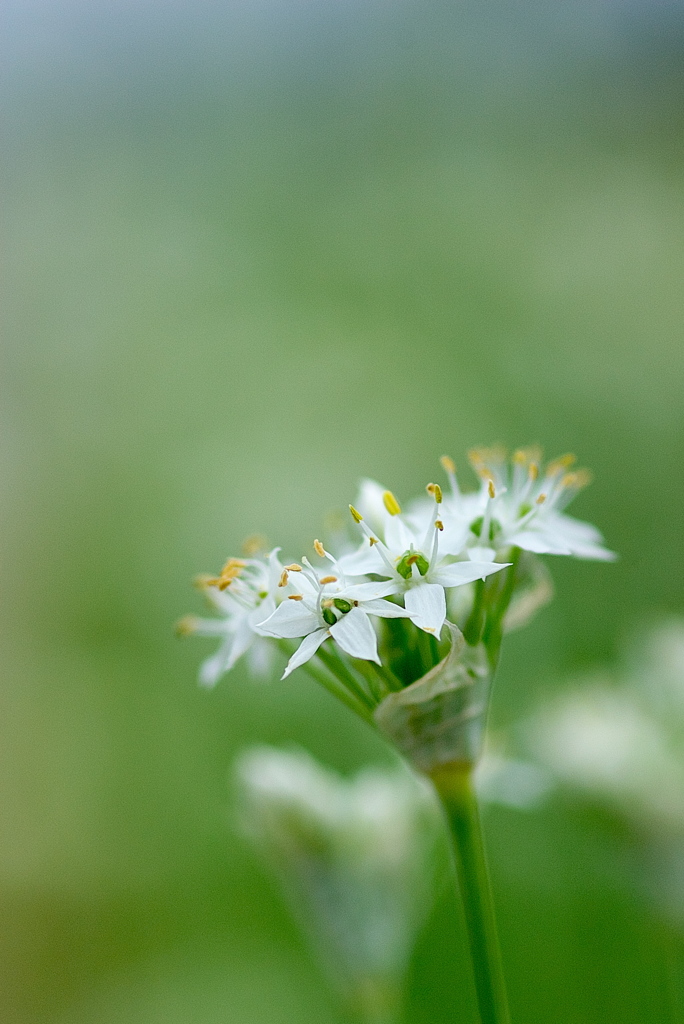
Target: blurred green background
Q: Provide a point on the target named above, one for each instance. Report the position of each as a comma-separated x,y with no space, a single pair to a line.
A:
254,251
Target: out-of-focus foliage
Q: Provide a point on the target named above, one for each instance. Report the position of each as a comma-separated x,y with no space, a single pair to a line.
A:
252,253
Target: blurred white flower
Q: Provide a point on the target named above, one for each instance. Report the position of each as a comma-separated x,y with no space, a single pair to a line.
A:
244,593
511,782
624,744
355,857
522,505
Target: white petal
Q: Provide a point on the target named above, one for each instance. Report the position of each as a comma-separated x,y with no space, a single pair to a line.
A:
212,669
398,536
290,619
464,572
261,613
452,540
362,561
244,638
539,542
306,650
356,636
211,627
426,606
593,551
481,554
579,538
370,503
228,653
370,591
385,609
260,657
275,569
572,528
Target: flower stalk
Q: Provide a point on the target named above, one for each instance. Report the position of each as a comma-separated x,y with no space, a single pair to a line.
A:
455,788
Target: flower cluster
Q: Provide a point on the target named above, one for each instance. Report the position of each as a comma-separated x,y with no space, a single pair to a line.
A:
370,620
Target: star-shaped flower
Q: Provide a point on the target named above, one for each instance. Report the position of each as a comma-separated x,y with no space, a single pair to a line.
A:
521,506
244,593
329,605
407,550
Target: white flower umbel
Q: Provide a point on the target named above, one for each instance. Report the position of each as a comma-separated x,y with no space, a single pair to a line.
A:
423,681
521,505
408,552
321,605
244,593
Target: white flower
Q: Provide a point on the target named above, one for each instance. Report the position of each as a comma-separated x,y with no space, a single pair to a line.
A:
408,551
329,605
245,593
356,857
519,506
622,744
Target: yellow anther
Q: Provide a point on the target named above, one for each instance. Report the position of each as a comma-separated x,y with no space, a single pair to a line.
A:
372,541
253,544
533,470
230,571
284,577
482,458
541,499
523,456
448,464
561,463
581,478
391,503
319,549
204,580
490,489
436,491
295,597
328,579
357,517
439,524
294,567
186,626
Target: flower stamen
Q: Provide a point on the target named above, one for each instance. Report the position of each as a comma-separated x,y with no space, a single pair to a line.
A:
231,571
449,467
391,504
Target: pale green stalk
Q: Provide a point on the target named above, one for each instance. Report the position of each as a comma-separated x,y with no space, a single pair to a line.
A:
455,788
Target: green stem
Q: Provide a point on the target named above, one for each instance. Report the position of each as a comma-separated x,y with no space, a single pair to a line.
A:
472,631
333,686
338,691
493,630
387,676
334,663
454,785
427,647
